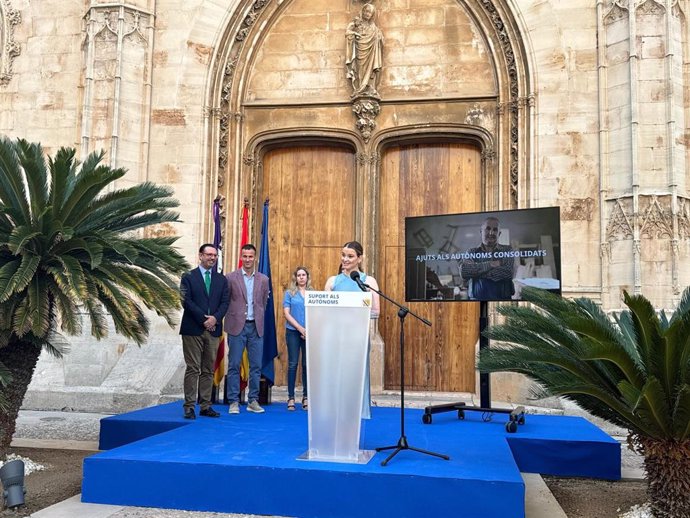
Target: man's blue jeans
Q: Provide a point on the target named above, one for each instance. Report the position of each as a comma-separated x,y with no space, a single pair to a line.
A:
250,339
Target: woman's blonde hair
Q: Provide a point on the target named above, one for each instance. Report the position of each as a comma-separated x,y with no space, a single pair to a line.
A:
292,288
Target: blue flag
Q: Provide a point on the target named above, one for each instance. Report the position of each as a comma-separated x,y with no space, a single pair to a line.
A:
270,337
217,235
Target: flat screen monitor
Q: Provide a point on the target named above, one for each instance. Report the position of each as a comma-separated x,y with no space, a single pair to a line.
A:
482,256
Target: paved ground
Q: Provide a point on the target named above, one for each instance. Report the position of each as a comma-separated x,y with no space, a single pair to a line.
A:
80,431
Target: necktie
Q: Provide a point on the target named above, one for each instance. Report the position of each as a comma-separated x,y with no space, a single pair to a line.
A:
207,281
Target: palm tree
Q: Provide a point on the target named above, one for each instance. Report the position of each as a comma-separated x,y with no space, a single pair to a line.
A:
71,243
632,370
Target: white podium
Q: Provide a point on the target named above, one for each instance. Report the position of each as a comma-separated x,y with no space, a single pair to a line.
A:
337,344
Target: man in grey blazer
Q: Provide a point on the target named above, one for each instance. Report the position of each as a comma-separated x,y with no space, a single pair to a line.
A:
244,323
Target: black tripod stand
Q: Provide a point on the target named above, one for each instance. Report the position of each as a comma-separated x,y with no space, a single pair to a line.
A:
402,443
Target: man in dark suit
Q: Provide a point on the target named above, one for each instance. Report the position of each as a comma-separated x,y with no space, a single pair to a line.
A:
244,323
205,300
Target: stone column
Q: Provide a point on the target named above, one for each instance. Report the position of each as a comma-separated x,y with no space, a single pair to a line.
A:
116,109
643,157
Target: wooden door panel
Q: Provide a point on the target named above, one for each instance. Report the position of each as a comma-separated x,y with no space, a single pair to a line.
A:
416,180
311,191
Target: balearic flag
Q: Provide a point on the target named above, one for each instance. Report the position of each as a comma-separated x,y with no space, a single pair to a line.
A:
270,339
221,364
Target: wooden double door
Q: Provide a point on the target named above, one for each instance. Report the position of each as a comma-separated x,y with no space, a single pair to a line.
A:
313,190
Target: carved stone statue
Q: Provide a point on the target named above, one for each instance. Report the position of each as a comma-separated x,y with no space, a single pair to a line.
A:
364,50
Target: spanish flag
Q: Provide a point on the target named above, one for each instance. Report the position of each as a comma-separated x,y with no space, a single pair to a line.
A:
244,365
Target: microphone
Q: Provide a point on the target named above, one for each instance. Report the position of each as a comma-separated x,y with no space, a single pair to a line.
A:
355,277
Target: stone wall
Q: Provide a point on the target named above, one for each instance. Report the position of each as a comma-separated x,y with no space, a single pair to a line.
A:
602,125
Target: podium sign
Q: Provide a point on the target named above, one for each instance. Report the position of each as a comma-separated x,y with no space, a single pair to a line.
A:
337,343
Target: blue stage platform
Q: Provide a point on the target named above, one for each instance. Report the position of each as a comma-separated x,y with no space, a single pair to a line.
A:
248,464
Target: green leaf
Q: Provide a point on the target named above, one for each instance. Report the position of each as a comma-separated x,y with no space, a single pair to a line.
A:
627,369
70,243
12,181
681,413
7,283
35,173
38,308
20,237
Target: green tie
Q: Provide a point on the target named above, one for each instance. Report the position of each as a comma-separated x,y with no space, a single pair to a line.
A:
207,281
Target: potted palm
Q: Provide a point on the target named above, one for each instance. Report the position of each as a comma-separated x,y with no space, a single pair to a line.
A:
632,370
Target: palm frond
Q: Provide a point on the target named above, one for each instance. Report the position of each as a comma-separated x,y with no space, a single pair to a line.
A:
628,370
94,308
74,273
681,413
25,273
21,322
7,272
128,318
35,173
56,344
61,168
12,191
67,243
647,330
39,307
111,209
85,186
653,405
65,307
626,327
20,237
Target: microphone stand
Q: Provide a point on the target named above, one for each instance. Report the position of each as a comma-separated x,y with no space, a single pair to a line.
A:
402,443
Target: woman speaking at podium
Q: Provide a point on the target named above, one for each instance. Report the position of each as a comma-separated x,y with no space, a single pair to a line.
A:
351,257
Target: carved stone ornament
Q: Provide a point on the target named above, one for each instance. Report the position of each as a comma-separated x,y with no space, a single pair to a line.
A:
511,68
620,225
675,9
364,159
656,221
605,251
248,160
9,49
683,217
474,115
365,111
232,62
105,24
650,8
618,9
488,154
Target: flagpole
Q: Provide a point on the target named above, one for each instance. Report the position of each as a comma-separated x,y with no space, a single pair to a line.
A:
270,346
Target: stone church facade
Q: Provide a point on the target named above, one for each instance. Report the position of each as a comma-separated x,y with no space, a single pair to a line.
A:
470,105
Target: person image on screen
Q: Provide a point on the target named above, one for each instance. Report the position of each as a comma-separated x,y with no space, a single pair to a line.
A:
205,300
244,323
351,257
295,332
488,270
